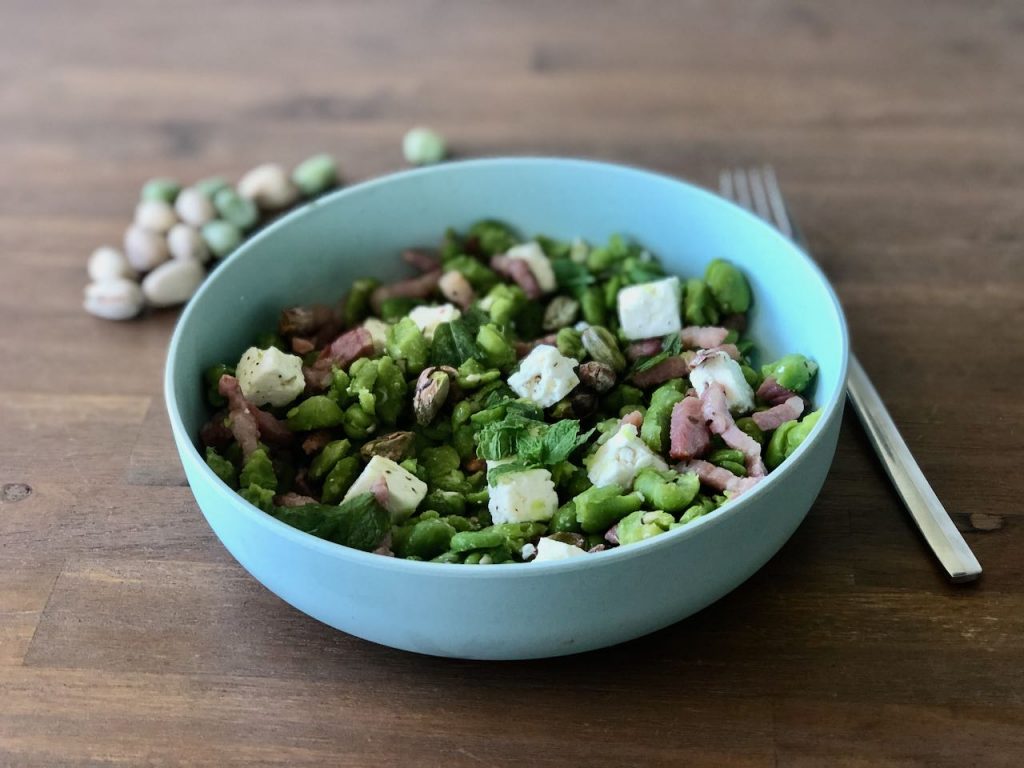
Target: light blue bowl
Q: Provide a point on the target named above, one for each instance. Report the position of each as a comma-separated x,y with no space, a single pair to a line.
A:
512,611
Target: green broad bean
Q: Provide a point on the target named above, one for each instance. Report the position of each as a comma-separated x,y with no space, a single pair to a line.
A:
620,397
258,469
599,508
729,287
611,289
212,378
787,438
221,237
317,412
462,441
330,455
423,146
439,461
740,470
407,343
752,377
358,423
379,387
749,426
726,454
160,189
701,507
445,502
592,305
315,175
263,498
448,557
338,389
235,209
426,539
493,236
481,277
412,466
698,304
564,520
641,525
500,354
466,541
462,412
270,339
221,467
655,427
357,302
504,302
667,490
570,343
553,249
473,374
340,479
515,535
794,372
495,556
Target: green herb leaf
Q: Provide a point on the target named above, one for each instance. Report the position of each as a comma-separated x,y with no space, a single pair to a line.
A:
571,276
671,346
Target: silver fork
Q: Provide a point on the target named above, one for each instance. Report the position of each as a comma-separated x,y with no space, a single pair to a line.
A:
757,190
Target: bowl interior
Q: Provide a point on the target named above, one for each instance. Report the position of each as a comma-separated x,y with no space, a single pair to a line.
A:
314,253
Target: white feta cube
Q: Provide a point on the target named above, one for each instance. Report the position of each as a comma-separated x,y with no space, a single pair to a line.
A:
378,330
405,490
650,309
553,549
545,376
270,376
428,318
719,367
538,262
522,497
618,461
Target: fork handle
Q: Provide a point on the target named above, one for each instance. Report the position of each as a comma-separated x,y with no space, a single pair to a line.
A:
922,503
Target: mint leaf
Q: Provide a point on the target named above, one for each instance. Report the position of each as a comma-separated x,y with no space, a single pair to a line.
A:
571,276
671,346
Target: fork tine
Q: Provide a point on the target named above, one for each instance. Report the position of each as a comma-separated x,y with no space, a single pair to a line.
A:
742,188
757,191
778,204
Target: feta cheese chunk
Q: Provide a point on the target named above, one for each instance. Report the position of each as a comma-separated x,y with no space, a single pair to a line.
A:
619,460
405,490
553,549
378,330
545,376
270,376
538,263
428,318
650,309
522,497
719,367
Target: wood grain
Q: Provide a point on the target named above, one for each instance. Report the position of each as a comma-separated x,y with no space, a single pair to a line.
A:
128,636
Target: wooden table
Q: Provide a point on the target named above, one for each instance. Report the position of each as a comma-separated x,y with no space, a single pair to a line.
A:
129,636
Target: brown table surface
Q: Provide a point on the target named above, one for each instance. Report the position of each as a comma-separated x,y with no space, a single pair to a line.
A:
129,636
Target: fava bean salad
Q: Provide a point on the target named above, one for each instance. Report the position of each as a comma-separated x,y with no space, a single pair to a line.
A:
514,401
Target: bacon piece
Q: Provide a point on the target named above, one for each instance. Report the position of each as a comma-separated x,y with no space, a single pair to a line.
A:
315,441
348,347
643,348
720,422
380,491
703,336
273,431
301,345
241,418
718,478
778,414
519,272
422,259
735,322
384,548
688,434
317,378
773,393
213,433
414,288
293,500
703,354
633,417
671,368
612,535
